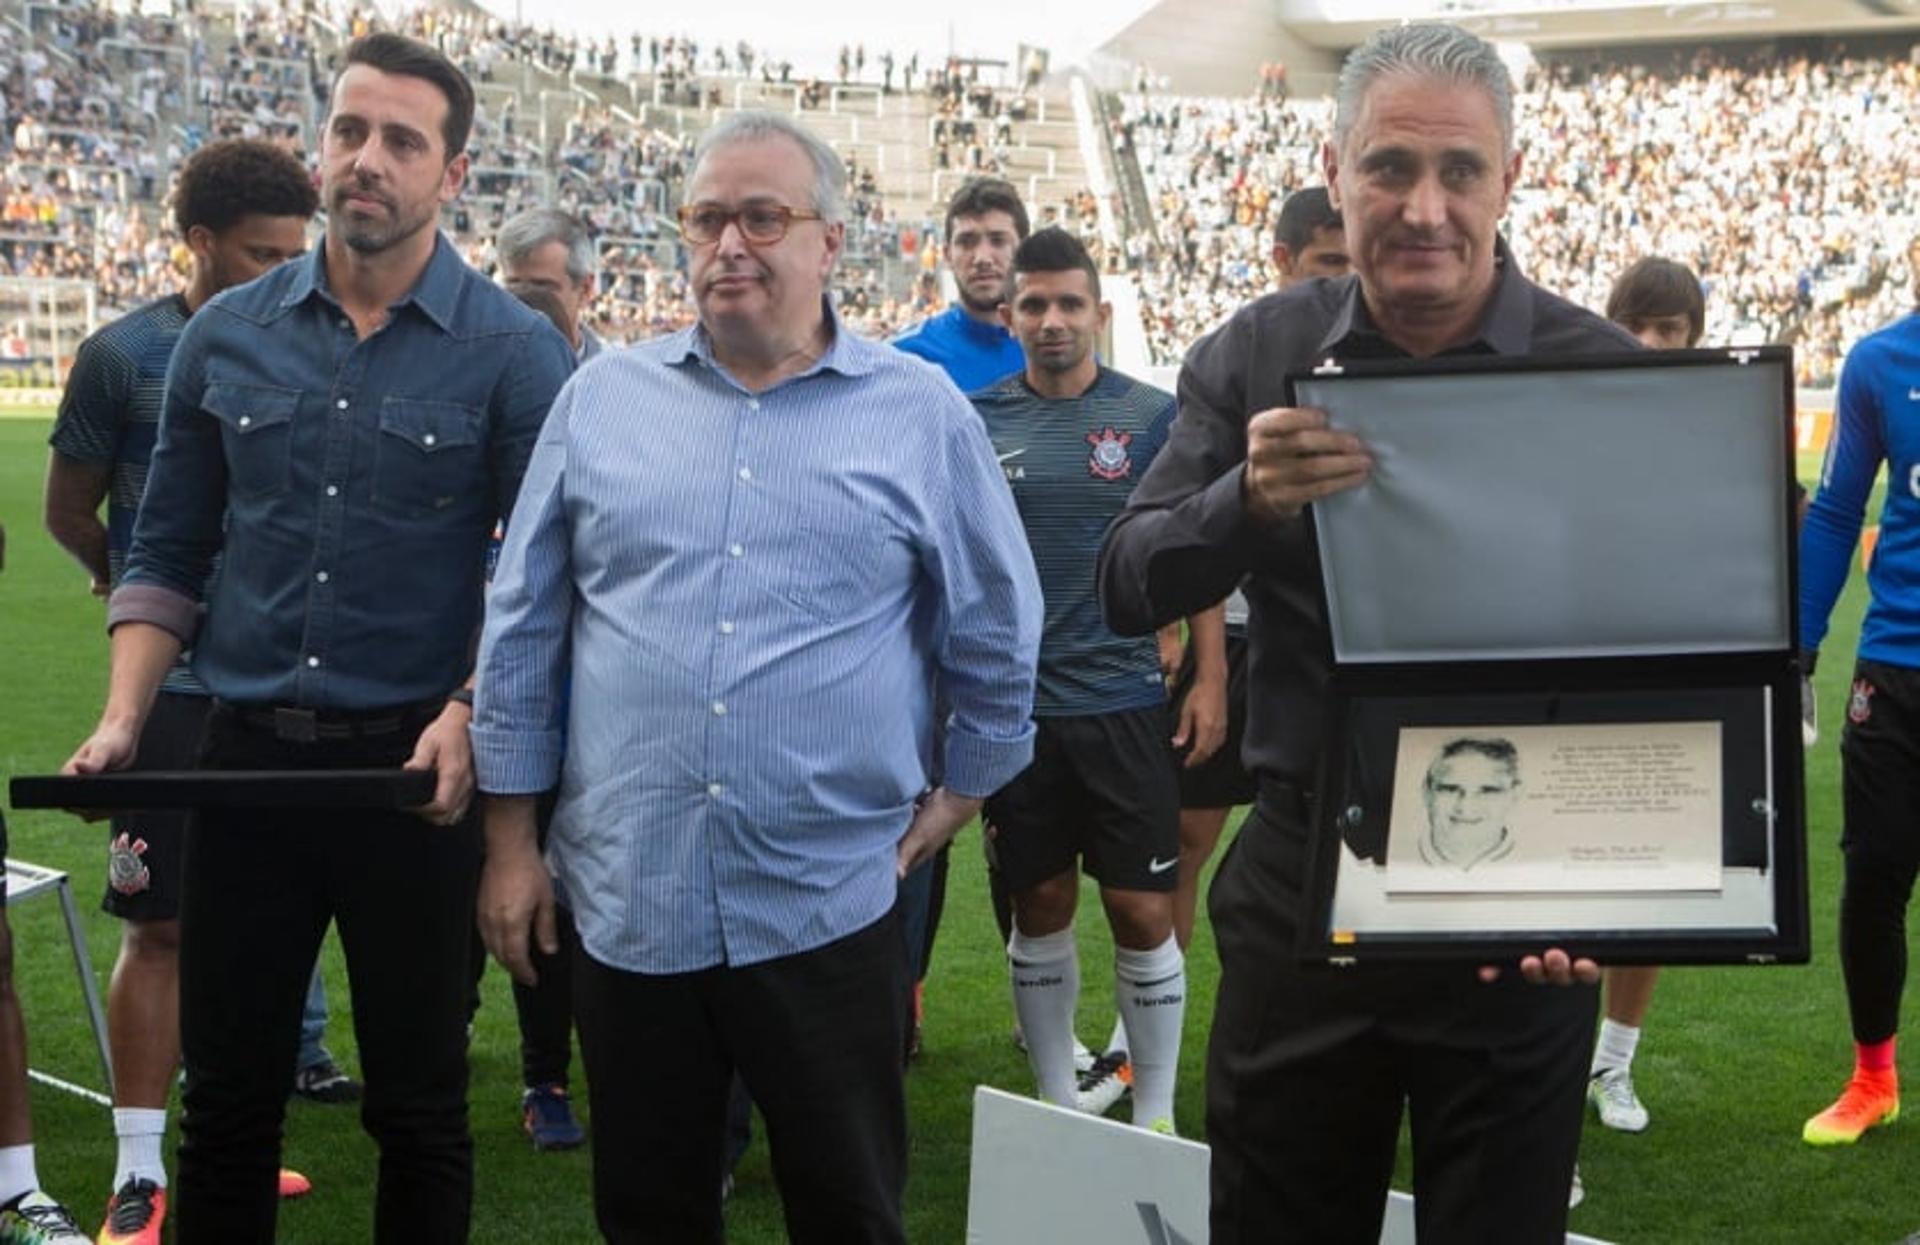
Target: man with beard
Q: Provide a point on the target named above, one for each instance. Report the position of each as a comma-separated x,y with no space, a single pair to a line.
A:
985,222
345,433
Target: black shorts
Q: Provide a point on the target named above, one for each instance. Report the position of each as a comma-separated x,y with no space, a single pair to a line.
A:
1880,764
1221,781
1101,789
144,846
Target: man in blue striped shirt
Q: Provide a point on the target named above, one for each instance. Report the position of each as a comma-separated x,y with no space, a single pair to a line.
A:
753,547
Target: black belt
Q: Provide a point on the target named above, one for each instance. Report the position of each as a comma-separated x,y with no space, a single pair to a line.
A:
305,726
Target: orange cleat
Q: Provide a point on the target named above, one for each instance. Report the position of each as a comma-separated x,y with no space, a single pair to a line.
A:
1870,1100
293,1184
135,1214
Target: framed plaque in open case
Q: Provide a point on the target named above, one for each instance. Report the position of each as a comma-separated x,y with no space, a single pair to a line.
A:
1565,706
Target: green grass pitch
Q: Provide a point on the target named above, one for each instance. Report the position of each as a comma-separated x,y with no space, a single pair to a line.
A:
1733,1059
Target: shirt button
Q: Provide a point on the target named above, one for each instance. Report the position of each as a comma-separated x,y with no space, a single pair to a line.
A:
719,709
753,404
342,404
736,550
746,473
323,577
427,440
333,490
714,789
313,663
346,324
245,420
726,628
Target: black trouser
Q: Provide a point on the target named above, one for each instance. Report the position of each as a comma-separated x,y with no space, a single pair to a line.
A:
260,888
1880,794
1309,1070
545,1009
815,1036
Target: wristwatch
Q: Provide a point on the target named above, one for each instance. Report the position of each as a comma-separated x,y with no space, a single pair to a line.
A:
461,696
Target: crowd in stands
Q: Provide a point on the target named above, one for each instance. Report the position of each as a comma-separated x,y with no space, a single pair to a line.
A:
1784,183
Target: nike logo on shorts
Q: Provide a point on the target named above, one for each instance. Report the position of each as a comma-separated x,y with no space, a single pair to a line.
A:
1161,866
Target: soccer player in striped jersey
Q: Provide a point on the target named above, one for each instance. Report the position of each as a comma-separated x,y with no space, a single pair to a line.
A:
1072,438
242,208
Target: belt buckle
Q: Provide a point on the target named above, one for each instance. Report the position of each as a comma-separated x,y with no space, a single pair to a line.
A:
297,726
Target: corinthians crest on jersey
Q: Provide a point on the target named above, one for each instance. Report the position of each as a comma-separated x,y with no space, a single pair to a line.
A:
1110,459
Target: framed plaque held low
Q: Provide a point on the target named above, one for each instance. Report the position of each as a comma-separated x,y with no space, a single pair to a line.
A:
1565,701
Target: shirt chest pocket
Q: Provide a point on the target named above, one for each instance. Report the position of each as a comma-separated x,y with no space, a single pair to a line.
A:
836,562
429,457
257,432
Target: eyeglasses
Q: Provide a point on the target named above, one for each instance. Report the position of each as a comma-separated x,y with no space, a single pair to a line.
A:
764,223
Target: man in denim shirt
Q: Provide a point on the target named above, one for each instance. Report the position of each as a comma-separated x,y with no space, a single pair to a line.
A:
346,431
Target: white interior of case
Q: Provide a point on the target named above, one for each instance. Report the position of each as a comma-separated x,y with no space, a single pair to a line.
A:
1587,513
1363,906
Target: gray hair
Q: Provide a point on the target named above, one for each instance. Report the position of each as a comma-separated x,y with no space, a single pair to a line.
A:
829,171
1425,50
534,228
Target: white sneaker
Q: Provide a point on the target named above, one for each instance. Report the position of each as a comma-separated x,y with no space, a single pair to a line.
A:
1104,1084
1610,1090
33,1218
1576,1192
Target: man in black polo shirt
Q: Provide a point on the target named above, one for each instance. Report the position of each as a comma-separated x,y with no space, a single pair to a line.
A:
1309,1071
345,432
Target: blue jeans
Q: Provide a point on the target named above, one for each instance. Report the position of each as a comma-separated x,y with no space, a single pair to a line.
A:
313,1025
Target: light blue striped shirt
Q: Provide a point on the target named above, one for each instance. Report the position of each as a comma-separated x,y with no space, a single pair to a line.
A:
752,595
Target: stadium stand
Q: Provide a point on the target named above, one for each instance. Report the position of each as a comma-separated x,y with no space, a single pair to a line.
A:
1732,167
96,107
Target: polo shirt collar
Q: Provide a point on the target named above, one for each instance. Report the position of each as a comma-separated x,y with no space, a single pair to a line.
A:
1506,327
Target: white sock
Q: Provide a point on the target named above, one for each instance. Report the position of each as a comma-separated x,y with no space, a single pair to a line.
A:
1151,987
1616,1046
140,1130
1046,988
1119,1039
17,1174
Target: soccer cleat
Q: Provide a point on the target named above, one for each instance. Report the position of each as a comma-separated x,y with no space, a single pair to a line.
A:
1162,1126
1610,1090
548,1117
1104,1084
33,1218
135,1214
293,1184
1868,1101
325,1082
1576,1192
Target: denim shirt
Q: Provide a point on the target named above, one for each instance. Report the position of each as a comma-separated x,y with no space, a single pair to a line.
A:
352,485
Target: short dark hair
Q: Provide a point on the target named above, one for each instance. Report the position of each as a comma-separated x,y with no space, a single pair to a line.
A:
1053,249
979,195
237,177
410,58
1655,287
1499,751
1304,214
